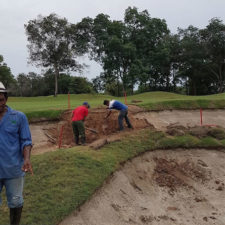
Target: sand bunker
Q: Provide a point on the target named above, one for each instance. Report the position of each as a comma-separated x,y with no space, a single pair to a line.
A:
188,118
100,131
184,187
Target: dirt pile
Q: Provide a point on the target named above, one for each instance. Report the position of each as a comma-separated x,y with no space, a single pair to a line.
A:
97,127
174,175
197,131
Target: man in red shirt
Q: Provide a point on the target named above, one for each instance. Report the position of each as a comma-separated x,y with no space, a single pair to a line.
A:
78,117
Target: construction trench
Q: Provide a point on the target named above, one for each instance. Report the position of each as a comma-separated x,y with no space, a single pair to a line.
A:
181,186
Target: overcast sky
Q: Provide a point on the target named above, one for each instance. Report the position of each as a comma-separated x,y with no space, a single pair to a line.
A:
15,13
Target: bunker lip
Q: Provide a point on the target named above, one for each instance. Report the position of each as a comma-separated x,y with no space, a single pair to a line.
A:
100,131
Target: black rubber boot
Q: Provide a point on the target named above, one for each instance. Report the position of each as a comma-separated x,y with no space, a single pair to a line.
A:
77,140
83,140
15,215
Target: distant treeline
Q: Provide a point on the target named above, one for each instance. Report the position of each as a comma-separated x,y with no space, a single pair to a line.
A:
138,53
32,84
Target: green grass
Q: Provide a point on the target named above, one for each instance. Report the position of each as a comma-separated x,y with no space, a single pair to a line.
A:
31,104
66,178
51,107
166,100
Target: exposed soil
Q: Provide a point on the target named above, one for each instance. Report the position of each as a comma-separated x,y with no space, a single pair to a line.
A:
46,136
184,187
99,131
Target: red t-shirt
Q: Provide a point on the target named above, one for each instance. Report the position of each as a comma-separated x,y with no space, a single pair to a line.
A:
79,113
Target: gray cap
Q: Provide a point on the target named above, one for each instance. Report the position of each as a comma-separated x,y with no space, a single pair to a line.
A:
2,88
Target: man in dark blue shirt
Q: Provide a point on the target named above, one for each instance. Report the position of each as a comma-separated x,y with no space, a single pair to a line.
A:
123,112
15,147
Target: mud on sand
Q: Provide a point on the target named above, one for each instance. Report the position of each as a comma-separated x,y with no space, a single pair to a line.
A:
184,187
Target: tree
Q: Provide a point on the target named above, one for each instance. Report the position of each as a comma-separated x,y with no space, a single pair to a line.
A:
54,43
6,76
98,84
127,50
79,85
37,84
192,59
111,48
147,35
24,85
213,39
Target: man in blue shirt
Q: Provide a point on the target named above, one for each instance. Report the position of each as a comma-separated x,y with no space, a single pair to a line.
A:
123,112
15,147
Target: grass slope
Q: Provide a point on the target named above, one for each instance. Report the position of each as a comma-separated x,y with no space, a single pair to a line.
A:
51,107
167,100
65,179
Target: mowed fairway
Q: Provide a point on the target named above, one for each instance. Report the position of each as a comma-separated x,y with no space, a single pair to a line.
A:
150,100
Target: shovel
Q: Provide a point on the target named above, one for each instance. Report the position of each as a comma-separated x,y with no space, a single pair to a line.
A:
92,130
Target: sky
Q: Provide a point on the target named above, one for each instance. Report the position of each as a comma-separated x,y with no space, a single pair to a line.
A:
15,13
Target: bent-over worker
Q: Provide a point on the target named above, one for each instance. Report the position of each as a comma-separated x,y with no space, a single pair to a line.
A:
114,104
79,115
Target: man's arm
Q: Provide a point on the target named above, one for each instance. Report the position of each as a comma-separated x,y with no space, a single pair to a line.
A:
72,115
27,167
108,114
85,114
25,142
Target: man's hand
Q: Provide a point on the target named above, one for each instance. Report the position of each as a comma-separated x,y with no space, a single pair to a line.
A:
27,167
108,114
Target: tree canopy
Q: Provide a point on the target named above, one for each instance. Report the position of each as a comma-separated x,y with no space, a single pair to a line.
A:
6,76
138,53
54,43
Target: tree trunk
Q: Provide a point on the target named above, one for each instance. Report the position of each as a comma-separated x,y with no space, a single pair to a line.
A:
167,82
118,85
56,81
194,88
132,88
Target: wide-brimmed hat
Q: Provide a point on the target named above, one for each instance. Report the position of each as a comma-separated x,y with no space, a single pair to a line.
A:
2,88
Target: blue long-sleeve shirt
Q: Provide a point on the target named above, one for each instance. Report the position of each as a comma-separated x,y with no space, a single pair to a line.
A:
14,135
114,104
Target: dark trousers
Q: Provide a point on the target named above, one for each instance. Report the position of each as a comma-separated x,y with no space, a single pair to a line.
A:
79,130
123,115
